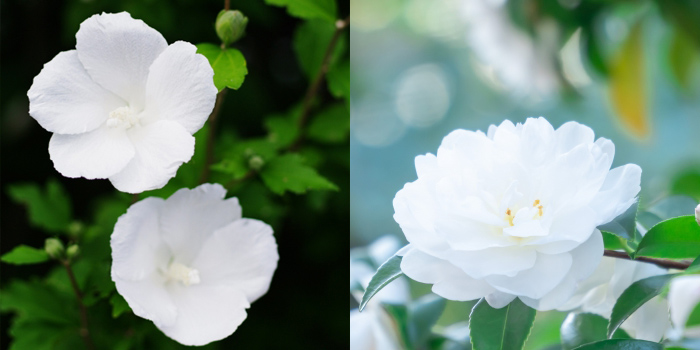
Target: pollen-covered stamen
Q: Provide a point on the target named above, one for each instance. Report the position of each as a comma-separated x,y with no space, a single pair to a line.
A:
540,209
183,274
122,117
509,217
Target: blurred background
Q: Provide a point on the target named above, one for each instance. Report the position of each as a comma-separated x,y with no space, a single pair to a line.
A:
421,68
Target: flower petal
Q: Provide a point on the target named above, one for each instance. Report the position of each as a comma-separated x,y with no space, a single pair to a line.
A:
548,273
205,313
619,192
180,87
190,217
501,261
555,298
97,154
242,254
65,100
117,50
149,299
161,148
499,299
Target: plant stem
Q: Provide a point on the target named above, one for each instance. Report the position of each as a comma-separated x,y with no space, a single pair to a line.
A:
668,264
84,330
340,26
227,5
209,157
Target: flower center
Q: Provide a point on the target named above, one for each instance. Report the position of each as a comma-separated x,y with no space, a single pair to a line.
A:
538,215
183,274
122,117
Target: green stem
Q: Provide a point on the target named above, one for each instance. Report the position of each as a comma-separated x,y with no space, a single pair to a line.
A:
84,330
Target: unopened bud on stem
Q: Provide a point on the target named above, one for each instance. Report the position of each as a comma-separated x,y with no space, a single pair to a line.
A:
54,248
230,26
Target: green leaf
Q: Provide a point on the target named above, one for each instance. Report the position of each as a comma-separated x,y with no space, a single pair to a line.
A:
400,315
236,161
583,328
634,297
506,328
687,183
22,255
119,305
619,344
682,58
49,209
331,125
311,41
282,130
623,225
308,9
229,65
683,13
339,80
387,272
677,238
422,315
673,206
289,173
612,242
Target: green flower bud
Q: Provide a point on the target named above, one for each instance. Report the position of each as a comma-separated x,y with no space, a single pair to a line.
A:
72,251
75,228
230,26
256,163
54,248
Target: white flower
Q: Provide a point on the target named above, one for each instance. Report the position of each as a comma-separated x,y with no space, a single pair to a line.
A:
123,105
599,292
683,297
191,264
512,213
373,329
697,214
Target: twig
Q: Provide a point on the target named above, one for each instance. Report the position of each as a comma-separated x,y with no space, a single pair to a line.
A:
209,157
84,330
340,25
668,264
227,5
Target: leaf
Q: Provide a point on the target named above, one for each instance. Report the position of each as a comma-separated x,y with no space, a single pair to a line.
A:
682,58
338,79
612,242
22,255
634,297
399,313
624,224
619,344
687,183
592,48
628,85
683,13
676,238
36,301
311,40
229,65
236,161
583,328
693,317
331,125
49,210
506,328
387,272
119,305
282,130
422,315
308,9
673,206
289,173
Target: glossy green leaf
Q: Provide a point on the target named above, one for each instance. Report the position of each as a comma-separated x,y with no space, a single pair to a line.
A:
399,313
331,125
49,209
624,225
694,317
311,41
612,242
308,9
339,80
622,344
422,315
387,272
676,238
506,328
23,255
634,297
229,65
583,328
289,173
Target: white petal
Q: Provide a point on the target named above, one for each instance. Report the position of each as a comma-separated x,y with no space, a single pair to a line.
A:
205,313
501,261
414,211
117,51
587,256
619,192
149,299
242,255
683,296
372,329
161,148
190,217
555,298
180,87
96,154
65,100
498,299
572,134
650,321
548,272
568,230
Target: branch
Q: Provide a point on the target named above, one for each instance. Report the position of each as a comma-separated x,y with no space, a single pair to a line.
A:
665,263
209,158
84,330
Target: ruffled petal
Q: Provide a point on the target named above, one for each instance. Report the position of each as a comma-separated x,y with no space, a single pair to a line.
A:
180,87
241,255
548,272
97,154
498,299
501,261
117,50
161,148
149,299
65,100
619,192
555,298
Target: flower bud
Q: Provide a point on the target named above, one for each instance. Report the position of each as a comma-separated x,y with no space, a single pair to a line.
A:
256,163
230,26
72,251
75,228
697,214
54,248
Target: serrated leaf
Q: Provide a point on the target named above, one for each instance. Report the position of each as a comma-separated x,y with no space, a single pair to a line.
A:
618,344
289,173
22,255
676,238
311,40
634,297
119,305
235,161
338,79
583,328
387,272
49,209
230,67
331,125
624,225
282,130
308,9
506,328
612,242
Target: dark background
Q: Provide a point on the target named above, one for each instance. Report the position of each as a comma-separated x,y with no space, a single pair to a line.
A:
304,307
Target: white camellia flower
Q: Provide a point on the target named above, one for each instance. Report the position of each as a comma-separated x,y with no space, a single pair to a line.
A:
599,292
123,105
512,213
697,214
683,297
191,264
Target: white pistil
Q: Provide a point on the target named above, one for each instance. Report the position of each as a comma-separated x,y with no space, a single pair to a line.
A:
122,116
181,273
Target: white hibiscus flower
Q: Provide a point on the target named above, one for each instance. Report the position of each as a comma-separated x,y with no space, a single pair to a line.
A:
123,105
512,213
191,264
